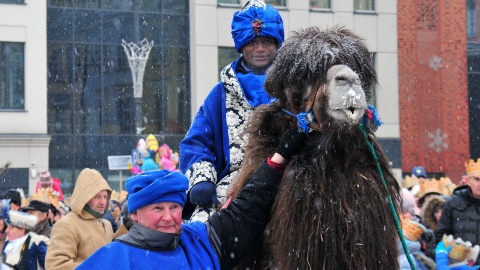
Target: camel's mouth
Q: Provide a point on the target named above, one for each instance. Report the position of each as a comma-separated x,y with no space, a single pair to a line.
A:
350,114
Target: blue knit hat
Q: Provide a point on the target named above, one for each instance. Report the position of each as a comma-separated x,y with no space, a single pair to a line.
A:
256,19
419,171
154,187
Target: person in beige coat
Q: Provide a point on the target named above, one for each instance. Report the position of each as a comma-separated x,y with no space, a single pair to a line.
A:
80,233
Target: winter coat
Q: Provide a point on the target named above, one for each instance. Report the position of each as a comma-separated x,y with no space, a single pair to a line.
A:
428,211
213,148
217,244
461,217
420,260
34,256
79,234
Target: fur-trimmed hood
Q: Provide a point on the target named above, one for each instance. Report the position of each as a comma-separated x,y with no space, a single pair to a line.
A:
428,211
89,183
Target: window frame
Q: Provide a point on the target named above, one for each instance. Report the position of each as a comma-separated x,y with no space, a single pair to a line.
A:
366,11
10,66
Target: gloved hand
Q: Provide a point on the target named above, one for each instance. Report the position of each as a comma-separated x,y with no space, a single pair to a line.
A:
291,141
204,194
441,248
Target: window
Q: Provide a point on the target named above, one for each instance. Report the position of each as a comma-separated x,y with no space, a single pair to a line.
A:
12,1
364,5
325,4
471,19
12,76
229,2
226,55
277,3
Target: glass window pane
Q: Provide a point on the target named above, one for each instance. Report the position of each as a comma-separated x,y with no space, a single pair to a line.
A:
86,3
174,6
471,19
12,1
226,55
363,4
87,25
320,4
149,5
59,25
279,3
176,91
118,26
119,104
91,109
153,28
125,5
89,151
229,2
59,3
88,59
177,33
12,76
61,151
60,98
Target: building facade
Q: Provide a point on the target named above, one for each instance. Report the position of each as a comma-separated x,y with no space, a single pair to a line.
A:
437,87
24,140
79,105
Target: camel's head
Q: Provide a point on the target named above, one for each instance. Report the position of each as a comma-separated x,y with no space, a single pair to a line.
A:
332,68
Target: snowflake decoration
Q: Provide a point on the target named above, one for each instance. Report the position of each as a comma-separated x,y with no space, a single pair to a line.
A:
435,62
438,140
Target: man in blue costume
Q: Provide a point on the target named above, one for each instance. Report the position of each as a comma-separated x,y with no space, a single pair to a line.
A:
160,240
213,149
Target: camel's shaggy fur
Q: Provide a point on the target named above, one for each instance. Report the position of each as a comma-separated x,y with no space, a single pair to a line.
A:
332,209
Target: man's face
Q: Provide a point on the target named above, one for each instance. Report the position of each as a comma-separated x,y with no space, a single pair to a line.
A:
474,184
116,208
14,232
45,182
99,202
260,52
164,217
40,215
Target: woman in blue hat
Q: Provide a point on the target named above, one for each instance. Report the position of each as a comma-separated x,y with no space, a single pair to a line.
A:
159,239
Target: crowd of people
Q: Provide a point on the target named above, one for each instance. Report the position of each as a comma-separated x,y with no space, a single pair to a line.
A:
440,220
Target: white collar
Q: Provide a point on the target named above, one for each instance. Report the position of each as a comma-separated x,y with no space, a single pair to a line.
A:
16,244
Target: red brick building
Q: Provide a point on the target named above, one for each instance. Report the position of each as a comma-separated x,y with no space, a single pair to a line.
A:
434,86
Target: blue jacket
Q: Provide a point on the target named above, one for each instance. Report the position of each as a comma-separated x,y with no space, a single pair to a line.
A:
35,254
213,146
194,252
415,250
441,259
220,243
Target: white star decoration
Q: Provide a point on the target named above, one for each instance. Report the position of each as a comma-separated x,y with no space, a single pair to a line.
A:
435,62
438,140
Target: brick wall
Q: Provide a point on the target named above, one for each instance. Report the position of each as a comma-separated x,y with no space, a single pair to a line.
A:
433,85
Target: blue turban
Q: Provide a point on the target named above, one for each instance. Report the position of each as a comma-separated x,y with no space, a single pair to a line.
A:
154,187
256,19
